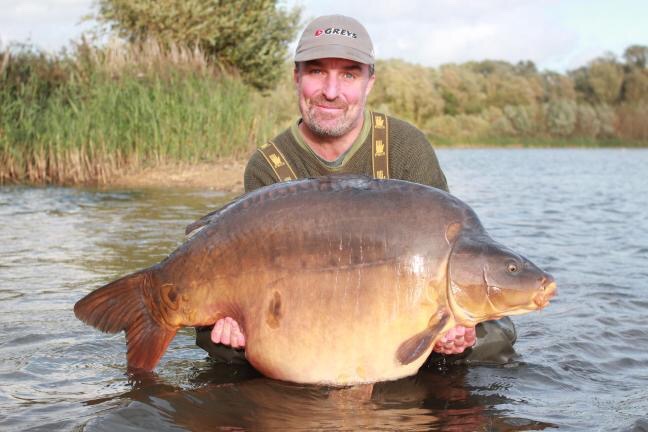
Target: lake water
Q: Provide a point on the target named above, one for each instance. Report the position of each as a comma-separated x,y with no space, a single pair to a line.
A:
581,215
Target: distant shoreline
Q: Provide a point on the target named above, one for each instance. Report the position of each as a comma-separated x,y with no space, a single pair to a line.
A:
222,175
227,174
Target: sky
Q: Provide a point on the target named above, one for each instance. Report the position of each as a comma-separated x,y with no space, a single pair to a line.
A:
557,35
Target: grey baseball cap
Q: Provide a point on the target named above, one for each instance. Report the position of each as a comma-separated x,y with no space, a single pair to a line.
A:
335,36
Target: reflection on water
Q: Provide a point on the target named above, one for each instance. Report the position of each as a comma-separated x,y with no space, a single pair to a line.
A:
579,214
429,401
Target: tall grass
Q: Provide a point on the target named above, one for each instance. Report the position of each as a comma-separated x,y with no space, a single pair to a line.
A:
84,117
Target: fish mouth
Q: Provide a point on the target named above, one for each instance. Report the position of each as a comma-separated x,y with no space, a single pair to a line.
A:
542,298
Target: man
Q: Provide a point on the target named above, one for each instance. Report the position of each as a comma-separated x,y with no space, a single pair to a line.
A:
334,74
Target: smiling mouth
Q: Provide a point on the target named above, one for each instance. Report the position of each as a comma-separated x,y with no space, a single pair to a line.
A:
325,107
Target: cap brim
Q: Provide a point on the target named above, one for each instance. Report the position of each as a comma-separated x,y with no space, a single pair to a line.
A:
334,51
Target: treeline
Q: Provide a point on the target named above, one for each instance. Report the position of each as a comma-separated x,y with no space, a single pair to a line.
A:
180,90
604,102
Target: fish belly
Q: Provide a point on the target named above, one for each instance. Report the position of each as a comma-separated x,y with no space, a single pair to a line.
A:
338,326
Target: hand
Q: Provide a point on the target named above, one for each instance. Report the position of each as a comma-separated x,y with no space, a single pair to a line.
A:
228,332
456,340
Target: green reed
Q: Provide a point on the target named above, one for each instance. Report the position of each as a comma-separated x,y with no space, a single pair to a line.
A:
111,114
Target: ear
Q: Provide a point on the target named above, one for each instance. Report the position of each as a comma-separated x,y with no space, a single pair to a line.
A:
452,232
296,75
370,84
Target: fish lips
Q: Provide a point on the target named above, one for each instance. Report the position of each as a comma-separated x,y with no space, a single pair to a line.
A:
548,292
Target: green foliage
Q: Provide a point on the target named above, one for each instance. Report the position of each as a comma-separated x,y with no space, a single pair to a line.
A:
587,124
123,107
636,56
605,78
251,36
83,116
561,117
462,89
632,122
635,86
406,90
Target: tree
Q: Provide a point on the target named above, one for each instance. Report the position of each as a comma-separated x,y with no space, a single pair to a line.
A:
462,89
635,86
606,78
600,82
561,117
406,89
636,56
558,86
251,36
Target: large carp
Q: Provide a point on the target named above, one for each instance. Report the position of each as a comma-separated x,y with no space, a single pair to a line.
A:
334,280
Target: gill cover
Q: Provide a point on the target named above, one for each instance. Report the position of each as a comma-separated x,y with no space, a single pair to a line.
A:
488,281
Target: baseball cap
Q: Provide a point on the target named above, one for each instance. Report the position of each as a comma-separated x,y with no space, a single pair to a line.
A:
335,36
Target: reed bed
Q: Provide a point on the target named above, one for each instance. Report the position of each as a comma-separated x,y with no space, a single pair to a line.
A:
84,117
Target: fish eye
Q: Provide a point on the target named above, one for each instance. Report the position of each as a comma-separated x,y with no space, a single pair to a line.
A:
512,267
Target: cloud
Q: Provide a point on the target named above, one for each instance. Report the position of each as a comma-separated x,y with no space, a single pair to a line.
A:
49,24
551,33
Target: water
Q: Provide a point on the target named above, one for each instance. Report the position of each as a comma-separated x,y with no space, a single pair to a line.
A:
579,214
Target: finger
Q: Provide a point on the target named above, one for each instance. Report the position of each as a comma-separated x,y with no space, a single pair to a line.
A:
235,327
217,331
439,347
227,331
471,338
242,340
234,341
460,331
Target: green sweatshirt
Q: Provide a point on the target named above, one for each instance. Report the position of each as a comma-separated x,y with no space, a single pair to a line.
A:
411,157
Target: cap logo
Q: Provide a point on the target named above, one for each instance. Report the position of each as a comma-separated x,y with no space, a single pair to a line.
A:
336,31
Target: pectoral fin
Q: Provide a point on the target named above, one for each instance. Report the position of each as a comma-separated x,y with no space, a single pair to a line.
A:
417,345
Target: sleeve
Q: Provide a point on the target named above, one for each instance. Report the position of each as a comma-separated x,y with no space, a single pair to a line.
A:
427,169
415,160
258,173
494,345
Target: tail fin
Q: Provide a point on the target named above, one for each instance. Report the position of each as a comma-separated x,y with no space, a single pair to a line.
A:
125,304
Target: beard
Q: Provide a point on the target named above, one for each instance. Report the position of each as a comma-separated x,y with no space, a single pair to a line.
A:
320,123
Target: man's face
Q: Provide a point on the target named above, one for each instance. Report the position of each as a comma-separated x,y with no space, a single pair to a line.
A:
332,94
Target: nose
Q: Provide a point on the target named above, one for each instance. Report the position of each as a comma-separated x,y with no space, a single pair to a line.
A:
331,89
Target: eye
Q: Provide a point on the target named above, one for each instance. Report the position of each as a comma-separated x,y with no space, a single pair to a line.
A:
349,75
512,267
315,71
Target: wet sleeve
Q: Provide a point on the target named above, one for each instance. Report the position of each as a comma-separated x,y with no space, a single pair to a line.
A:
494,345
258,173
418,161
218,352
